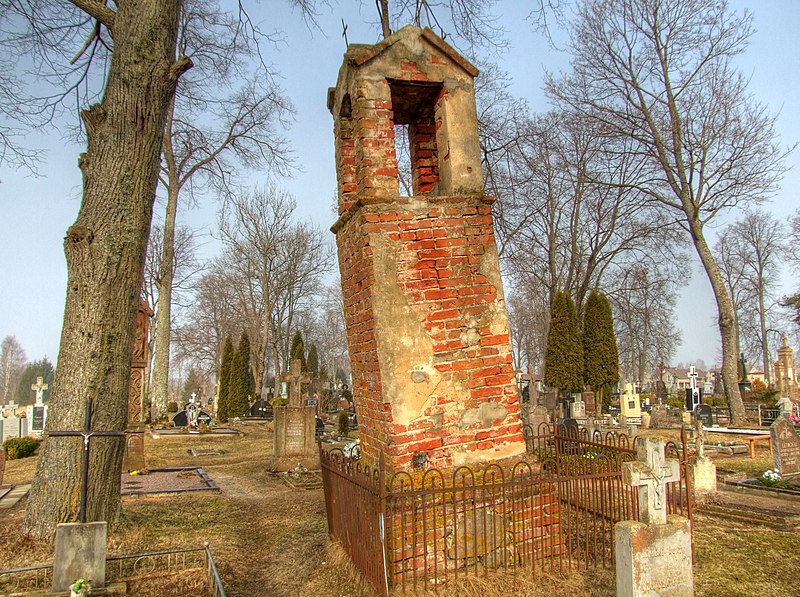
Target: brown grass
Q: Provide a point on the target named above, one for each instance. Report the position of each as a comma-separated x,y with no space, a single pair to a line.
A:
268,539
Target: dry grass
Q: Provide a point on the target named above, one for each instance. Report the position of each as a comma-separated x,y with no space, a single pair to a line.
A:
269,539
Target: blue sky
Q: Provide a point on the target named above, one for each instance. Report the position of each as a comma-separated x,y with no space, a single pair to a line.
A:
36,211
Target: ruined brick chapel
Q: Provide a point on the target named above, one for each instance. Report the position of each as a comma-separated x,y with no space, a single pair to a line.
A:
427,328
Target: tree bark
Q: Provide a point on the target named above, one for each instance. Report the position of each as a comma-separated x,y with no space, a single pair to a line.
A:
727,323
105,250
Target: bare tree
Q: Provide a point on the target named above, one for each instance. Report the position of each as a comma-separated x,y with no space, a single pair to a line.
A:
12,363
643,295
278,264
105,247
749,253
205,135
658,75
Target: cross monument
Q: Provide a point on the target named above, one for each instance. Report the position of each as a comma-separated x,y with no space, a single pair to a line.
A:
295,378
39,387
649,473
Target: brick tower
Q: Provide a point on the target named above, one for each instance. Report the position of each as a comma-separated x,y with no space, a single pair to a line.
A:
427,328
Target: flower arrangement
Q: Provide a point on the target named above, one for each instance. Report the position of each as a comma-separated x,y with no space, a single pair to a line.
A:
352,450
80,587
795,419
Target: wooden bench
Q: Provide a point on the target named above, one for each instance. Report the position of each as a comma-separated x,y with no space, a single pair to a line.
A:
752,441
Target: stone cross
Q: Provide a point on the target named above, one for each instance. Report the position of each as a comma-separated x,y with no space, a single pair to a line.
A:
39,387
649,473
12,406
295,378
193,397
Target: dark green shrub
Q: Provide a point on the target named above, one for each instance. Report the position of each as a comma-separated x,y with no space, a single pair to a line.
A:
675,402
20,447
172,407
344,422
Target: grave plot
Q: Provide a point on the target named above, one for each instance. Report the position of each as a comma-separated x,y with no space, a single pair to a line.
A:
167,480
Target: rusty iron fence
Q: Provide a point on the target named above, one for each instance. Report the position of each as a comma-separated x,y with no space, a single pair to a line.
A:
556,508
124,568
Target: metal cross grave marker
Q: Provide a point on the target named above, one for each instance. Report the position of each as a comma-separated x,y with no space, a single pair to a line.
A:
87,434
649,474
295,378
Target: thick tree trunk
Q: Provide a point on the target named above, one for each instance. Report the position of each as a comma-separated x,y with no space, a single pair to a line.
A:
160,384
105,251
727,323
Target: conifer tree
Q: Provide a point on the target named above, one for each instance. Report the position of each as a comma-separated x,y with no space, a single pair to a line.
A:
298,350
312,362
600,356
223,380
242,384
563,361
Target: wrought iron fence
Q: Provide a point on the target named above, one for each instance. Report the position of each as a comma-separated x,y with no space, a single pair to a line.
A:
123,568
554,508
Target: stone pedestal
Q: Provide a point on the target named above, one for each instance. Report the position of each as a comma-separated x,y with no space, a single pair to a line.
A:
80,553
295,440
654,560
704,479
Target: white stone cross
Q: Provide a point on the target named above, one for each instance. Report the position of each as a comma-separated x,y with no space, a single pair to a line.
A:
39,387
295,378
693,378
649,473
193,397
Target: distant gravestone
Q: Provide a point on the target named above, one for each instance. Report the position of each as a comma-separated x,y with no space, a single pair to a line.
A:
550,401
704,415
295,427
261,409
785,446
588,398
12,426
577,409
36,414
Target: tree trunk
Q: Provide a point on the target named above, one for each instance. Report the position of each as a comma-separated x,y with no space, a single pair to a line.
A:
160,384
105,250
727,323
762,321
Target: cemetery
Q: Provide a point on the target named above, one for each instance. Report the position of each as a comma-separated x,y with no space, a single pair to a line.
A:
447,470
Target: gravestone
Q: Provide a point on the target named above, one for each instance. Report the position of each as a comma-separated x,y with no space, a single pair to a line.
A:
694,395
577,410
589,399
294,442
785,446
629,404
182,418
261,409
12,424
37,412
80,552
704,415
550,400
654,554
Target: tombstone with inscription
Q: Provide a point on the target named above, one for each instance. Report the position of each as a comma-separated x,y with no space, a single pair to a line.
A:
588,398
261,409
629,404
134,459
785,446
13,426
295,427
703,414
37,412
577,409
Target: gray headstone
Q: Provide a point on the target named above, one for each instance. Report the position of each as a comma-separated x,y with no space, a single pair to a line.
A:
785,446
11,426
703,413
80,553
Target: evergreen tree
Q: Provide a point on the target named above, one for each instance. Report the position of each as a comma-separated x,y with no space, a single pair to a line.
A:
563,361
600,356
223,380
298,350
312,362
242,384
